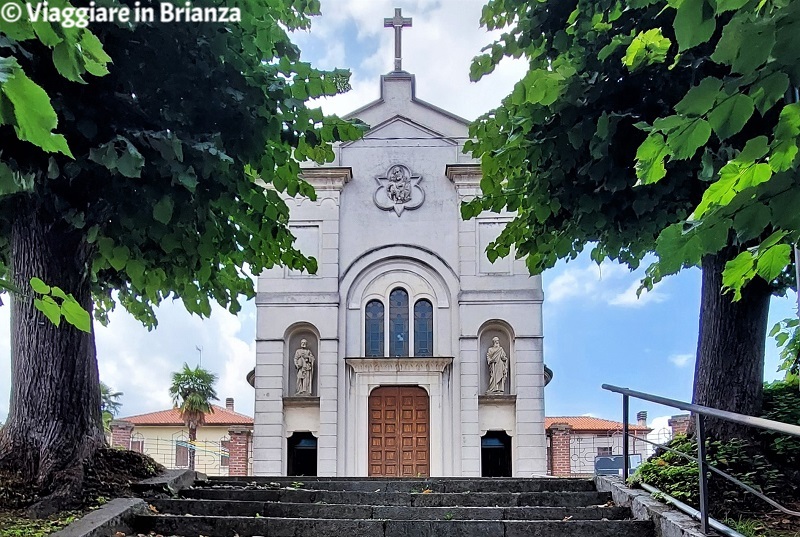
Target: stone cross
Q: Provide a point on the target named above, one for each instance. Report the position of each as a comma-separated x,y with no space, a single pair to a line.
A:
398,22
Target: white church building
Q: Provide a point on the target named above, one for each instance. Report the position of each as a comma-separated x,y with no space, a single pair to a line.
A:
400,320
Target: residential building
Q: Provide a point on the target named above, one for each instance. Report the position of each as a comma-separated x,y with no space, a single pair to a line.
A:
222,447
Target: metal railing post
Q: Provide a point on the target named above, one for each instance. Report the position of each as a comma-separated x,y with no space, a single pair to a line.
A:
625,454
701,463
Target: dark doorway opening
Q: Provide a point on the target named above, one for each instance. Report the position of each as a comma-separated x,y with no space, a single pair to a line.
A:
302,458
496,454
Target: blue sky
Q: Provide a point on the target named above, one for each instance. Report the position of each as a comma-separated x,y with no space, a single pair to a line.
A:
596,331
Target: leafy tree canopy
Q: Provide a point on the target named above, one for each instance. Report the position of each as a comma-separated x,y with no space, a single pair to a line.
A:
192,391
646,125
160,165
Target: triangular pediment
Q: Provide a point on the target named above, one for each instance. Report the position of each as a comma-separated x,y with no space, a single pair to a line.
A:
402,130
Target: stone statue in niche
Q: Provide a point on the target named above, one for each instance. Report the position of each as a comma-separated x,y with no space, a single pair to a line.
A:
304,362
498,368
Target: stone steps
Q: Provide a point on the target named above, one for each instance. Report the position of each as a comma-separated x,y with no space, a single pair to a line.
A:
434,499
363,507
409,485
316,510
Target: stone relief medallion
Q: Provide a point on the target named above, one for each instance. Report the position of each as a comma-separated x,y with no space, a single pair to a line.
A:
399,190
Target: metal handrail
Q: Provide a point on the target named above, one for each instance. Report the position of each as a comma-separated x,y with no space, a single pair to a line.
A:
699,412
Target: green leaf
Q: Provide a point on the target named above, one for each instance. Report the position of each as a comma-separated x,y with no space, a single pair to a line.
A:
692,26
737,272
783,156
684,142
754,150
75,315
65,58
700,98
729,5
750,221
745,44
39,286
646,48
650,159
773,260
34,115
119,257
731,115
769,90
50,308
162,210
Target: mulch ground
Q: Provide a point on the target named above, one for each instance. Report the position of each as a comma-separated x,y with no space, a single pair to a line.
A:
108,475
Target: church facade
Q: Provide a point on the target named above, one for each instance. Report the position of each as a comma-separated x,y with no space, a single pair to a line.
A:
408,353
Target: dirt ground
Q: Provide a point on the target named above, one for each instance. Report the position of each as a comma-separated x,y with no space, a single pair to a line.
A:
108,475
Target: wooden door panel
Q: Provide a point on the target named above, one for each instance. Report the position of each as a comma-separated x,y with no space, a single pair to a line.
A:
399,440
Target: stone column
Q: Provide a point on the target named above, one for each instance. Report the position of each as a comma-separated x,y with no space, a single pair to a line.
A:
239,451
560,457
121,432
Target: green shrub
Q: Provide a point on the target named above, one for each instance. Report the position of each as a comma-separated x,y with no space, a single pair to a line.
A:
678,476
782,403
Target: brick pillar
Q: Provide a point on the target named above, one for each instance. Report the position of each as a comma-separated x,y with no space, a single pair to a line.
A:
560,458
121,432
680,423
239,451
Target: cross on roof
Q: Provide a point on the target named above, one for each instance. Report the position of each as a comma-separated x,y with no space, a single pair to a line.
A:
398,22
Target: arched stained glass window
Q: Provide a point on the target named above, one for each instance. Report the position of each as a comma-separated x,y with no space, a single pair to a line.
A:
423,328
398,323
374,328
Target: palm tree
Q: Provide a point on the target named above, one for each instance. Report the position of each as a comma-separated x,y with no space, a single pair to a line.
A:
109,404
192,391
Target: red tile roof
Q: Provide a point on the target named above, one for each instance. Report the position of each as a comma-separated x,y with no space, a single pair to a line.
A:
586,423
220,416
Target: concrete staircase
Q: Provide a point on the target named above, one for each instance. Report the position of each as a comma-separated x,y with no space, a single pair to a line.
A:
375,507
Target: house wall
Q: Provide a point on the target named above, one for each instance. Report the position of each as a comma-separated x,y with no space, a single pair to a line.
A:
160,442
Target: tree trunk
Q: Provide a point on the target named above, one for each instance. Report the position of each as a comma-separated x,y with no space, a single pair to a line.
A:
192,439
54,421
729,371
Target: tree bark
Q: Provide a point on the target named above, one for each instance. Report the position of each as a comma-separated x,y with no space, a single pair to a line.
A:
192,438
729,370
54,422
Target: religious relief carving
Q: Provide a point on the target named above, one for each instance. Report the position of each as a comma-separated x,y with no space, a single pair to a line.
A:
304,362
498,368
399,190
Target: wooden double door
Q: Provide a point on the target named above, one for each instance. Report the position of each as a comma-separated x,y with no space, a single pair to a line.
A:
399,432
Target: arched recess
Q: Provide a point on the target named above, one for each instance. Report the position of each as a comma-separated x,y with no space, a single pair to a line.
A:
374,276
292,342
487,332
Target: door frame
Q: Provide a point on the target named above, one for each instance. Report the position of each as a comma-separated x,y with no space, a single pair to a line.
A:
430,374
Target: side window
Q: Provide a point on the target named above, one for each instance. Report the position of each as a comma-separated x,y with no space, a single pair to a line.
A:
373,328
137,443
423,328
604,451
398,323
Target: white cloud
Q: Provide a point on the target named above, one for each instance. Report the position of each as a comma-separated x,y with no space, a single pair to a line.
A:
629,299
661,431
438,49
682,360
610,282
140,363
